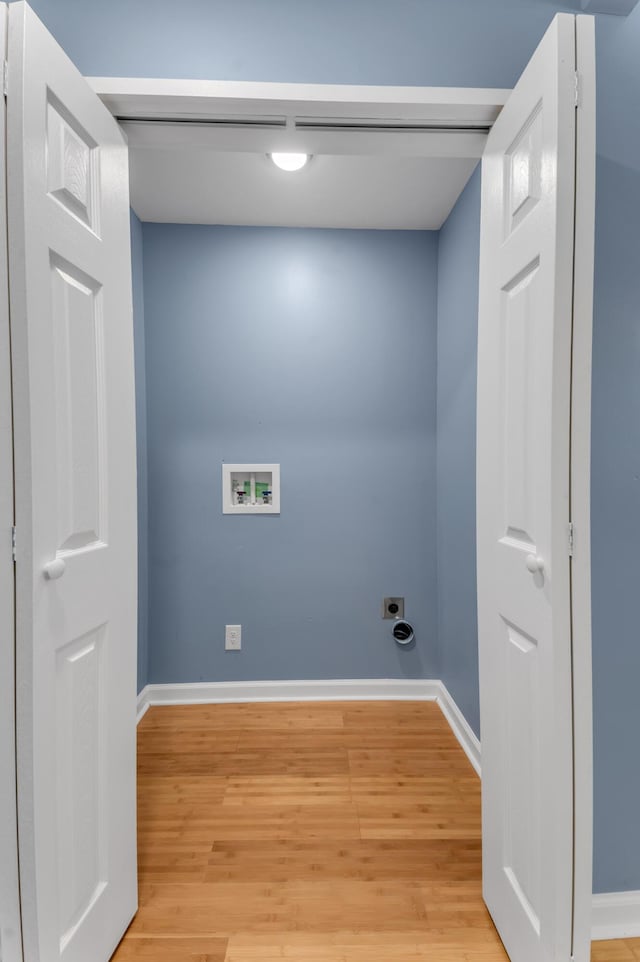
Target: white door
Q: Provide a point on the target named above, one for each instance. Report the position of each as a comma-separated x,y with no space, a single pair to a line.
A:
523,508
72,348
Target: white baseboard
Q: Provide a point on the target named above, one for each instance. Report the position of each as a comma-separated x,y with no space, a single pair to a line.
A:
340,689
616,915
460,727
143,704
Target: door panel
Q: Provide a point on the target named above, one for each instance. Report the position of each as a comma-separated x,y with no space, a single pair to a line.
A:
523,506
71,319
72,164
81,734
80,405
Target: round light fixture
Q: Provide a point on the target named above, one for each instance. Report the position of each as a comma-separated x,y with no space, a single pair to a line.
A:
289,162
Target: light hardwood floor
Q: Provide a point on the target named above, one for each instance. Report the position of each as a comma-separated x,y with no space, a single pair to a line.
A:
312,832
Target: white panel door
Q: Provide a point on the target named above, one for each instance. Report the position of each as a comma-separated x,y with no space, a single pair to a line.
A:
523,505
72,343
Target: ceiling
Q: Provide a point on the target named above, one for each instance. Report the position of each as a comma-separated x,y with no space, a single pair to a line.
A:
199,186
382,157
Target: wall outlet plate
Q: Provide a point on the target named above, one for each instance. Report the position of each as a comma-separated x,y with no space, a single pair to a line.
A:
232,637
393,608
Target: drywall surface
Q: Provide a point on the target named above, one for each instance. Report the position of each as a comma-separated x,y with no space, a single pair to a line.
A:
615,503
615,528
615,465
473,43
141,441
458,254
314,349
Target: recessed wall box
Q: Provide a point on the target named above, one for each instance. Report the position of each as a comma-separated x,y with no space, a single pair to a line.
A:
393,608
251,489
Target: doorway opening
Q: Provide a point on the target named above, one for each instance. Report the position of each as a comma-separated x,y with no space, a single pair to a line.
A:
207,287
326,279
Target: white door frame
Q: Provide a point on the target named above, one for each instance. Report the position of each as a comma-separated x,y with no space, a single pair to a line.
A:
580,480
10,928
314,118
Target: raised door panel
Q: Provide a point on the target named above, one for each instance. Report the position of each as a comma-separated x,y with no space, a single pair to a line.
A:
81,777
72,164
521,700
519,332
80,406
523,171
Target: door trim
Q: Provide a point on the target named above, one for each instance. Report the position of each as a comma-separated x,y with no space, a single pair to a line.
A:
580,479
10,925
314,118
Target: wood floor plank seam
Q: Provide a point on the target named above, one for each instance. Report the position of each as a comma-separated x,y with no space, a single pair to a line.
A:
310,832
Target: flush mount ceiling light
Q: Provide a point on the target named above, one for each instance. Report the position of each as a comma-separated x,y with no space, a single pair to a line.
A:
289,162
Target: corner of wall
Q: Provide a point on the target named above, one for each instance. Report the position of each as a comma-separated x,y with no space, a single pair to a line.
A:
141,445
457,312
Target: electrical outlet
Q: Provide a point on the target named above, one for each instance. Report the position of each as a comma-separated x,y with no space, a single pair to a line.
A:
393,608
233,637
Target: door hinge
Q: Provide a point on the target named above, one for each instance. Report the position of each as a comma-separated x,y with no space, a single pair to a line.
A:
571,539
13,543
577,86
5,78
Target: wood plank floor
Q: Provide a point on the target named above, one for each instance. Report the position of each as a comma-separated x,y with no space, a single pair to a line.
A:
318,832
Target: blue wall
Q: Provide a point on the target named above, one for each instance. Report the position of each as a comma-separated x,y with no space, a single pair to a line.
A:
615,527
479,43
458,251
615,504
141,439
315,349
615,513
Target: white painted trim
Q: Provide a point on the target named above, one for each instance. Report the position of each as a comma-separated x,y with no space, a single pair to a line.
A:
143,704
340,689
584,231
616,915
311,118
253,138
460,727
203,99
10,931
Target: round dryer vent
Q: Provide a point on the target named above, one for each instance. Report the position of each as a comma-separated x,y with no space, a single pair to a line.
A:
403,632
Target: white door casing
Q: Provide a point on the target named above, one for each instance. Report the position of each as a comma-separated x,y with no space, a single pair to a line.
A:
10,937
523,507
583,279
72,348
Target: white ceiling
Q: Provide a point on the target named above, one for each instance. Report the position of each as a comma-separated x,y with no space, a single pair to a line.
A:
199,186
383,157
